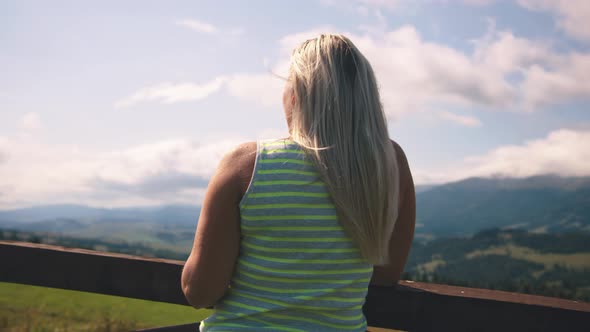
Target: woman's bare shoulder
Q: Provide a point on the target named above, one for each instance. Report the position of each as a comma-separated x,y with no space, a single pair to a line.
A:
242,151
399,152
240,163
240,156
402,160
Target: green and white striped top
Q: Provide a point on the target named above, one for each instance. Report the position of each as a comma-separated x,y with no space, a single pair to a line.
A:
297,269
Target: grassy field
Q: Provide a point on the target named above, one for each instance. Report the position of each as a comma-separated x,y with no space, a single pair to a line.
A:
574,261
38,309
430,266
31,308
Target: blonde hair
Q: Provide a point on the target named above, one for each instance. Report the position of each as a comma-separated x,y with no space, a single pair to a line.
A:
337,117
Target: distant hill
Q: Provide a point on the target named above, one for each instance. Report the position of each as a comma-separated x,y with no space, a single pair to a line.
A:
540,204
513,260
169,227
420,188
168,214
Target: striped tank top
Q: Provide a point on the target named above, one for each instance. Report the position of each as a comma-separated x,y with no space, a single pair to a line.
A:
297,270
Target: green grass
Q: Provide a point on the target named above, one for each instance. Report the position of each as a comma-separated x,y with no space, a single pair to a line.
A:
431,266
32,308
573,261
39,309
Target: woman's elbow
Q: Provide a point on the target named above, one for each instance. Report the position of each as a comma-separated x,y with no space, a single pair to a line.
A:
199,297
201,290
196,295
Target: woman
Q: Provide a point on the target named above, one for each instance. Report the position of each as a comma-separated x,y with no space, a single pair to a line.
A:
292,231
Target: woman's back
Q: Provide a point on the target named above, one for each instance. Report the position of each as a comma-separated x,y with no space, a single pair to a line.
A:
296,266
325,215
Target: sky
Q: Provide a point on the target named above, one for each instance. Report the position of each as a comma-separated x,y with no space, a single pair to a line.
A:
133,103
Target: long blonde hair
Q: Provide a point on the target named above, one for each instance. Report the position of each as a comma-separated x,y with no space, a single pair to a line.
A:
337,117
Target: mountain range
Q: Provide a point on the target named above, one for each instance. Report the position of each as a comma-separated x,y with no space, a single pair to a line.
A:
538,204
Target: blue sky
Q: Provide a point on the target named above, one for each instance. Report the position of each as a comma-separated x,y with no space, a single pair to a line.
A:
118,103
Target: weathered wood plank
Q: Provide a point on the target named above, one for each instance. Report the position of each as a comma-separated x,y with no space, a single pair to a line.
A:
408,306
416,307
91,271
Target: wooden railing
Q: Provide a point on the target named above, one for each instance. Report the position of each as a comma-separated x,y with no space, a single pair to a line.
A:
409,306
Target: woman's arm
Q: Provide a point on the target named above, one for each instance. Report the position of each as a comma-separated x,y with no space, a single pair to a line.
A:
209,268
403,233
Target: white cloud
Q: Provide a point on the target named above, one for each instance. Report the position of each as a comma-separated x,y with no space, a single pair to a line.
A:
197,25
413,74
178,155
366,4
419,75
463,120
478,2
564,152
169,93
171,171
503,51
31,121
237,31
262,89
3,150
177,170
386,4
566,80
548,76
210,29
572,15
